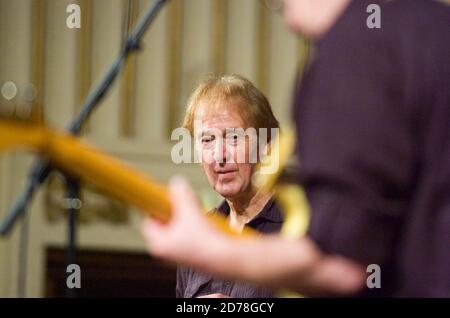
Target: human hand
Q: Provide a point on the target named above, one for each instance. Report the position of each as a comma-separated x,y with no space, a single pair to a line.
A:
188,236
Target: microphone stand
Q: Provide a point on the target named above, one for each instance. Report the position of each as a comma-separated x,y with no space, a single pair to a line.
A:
42,168
72,205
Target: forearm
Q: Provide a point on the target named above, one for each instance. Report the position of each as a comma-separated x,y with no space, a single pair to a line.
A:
280,263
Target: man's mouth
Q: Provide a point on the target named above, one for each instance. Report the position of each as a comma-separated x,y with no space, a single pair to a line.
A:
226,173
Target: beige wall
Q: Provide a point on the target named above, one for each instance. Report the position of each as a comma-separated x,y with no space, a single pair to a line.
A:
189,39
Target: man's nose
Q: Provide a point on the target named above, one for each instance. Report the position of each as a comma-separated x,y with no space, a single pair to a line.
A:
221,153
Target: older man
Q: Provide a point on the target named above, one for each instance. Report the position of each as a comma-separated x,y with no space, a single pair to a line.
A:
227,116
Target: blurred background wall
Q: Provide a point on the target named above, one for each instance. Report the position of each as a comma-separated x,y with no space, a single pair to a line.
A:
189,39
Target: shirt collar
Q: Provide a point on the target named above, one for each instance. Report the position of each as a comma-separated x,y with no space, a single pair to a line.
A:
271,212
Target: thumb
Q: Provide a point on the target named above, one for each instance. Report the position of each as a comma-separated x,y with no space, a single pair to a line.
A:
152,229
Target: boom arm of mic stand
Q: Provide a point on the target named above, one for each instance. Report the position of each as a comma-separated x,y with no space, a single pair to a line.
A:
41,168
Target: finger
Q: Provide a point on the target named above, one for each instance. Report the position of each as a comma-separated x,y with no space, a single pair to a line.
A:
339,275
152,231
183,198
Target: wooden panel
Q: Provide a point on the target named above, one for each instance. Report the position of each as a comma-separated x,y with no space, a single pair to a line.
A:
106,40
151,80
219,27
283,64
84,57
37,54
60,96
15,48
264,40
128,82
174,27
196,59
111,274
242,41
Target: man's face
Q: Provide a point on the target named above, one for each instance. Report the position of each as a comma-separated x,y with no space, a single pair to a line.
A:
224,150
312,17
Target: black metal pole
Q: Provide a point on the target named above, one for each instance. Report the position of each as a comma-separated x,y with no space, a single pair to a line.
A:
73,206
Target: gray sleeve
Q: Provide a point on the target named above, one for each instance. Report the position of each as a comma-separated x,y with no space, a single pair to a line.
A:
182,278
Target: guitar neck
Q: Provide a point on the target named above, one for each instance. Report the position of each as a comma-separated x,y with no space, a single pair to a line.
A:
109,175
89,165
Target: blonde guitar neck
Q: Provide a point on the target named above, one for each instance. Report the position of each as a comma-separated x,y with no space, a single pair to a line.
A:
90,165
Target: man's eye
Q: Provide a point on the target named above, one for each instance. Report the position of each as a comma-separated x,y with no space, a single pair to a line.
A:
207,139
233,139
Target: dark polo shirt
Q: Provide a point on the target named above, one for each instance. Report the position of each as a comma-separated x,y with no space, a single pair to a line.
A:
373,119
192,283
